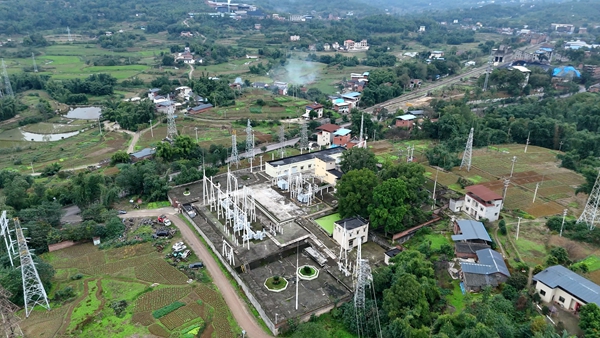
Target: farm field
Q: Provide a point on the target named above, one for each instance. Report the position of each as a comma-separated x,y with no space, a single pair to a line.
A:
82,149
159,301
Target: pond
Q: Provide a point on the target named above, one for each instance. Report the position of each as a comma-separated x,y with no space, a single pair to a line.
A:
20,135
84,113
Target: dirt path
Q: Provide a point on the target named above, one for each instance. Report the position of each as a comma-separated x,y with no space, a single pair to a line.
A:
191,72
237,306
498,242
134,141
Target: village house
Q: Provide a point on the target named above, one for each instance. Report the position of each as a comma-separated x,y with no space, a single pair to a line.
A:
489,270
391,254
469,237
342,137
146,153
325,168
326,47
325,134
565,288
163,107
351,232
186,34
436,54
405,121
316,107
352,98
152,93
340,105
282,87
199,109
335,46
294,37
415,83
479,202
186,57
352,46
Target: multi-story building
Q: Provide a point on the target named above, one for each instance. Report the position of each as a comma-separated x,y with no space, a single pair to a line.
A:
561,286
479,202
351,232
325,134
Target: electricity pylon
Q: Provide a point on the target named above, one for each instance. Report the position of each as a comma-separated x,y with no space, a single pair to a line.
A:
466,159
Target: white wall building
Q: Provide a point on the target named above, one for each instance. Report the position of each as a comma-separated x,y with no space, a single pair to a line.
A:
565,288
325,134
479,202
300,163
356,231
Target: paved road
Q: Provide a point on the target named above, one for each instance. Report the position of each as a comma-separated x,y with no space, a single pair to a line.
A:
236,305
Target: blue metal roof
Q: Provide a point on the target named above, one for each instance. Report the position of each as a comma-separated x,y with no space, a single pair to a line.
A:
143,153
490,262
471,230
342,132
351,94
564,71
561,277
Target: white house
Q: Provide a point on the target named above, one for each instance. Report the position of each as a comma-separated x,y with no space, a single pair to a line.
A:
561,286
294,37
390,254
351,232
325,134
479,202
316,107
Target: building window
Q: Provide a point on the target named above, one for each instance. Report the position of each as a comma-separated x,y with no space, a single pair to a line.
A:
467,208
561,299
350,243
496,214
480,209
302,168
310,165
542,292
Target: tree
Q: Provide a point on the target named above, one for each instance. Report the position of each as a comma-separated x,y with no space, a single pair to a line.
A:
120,156
358,158
355,192
51,169
168,60
310,329
47,212
589,320
502,226
388,208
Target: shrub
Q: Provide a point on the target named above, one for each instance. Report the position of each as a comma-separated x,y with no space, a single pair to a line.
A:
276,280
306,270
119,307
77,276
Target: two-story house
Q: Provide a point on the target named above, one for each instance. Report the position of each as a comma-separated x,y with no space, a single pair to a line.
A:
325,134
351,232
316,107
479,202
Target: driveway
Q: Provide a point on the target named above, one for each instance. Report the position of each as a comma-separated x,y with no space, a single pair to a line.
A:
245,319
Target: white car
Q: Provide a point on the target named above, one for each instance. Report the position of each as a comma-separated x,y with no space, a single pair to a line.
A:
185,254
167,222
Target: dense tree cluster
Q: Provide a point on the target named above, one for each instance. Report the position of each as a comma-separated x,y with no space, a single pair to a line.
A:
391,198
74,91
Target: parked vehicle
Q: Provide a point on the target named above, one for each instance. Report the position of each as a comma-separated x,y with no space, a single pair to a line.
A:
167,222
122,212
185,254
179,246
162,218
189,210
196,265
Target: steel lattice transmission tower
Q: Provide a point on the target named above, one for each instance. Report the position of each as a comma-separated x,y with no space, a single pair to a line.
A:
7,87
249,140
171,127
9,321
35,69
304,137
590,213
363,278
235,158
33,289
466,159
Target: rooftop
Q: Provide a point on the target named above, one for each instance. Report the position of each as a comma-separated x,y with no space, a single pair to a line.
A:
154,90
351,223
467,247
406,117
393,252
202,106
143,153
471,230
417,112
342,132
483,192
522,69
314,106
490,262
306,156
559,276
351,95
329,127
338,174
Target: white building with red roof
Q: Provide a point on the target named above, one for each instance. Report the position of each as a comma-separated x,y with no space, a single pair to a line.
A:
479,202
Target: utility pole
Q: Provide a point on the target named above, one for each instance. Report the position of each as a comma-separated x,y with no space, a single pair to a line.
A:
518,227
506,184
35,69
537,185
297,276
512,168
563,222
434,187
527,143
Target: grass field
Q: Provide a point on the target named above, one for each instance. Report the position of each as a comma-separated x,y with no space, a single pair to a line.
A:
126,274
327,222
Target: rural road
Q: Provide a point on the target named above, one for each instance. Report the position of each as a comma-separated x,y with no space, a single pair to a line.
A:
191,72
244,318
